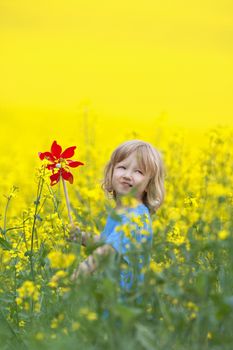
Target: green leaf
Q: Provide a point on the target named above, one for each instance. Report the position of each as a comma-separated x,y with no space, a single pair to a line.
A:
127,314
6,245
8,335
145,337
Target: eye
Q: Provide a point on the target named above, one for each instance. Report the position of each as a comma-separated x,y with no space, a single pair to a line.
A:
140,171
121,166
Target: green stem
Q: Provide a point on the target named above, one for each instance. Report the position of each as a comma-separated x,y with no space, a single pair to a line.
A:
37,202
9,328
6,208
14,228
16,305
24,234
55,203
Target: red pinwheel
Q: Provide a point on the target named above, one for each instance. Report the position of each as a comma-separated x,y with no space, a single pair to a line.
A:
60,163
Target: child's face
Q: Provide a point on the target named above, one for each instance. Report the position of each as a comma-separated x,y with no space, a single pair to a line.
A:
129,177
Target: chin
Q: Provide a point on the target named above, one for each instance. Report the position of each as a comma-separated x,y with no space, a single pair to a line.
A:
122,193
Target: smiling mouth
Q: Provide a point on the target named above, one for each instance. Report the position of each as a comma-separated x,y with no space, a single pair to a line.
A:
125,183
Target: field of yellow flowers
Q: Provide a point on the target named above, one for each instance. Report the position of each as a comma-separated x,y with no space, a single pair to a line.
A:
187,299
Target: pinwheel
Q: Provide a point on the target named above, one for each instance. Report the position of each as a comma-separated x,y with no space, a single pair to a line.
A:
59,164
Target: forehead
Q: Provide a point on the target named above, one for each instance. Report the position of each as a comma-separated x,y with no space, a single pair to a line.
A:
132,158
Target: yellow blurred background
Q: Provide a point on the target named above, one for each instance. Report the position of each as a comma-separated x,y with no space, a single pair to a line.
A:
129,59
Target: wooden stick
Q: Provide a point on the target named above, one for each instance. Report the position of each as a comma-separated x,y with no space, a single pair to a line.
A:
67,201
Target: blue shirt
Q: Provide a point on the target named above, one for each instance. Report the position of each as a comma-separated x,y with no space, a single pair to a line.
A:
130,234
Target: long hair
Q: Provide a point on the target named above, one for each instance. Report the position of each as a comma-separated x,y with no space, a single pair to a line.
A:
150,160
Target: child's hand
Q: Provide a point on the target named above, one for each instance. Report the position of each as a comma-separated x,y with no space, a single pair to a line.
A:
86,267
75,234
72,227
81,269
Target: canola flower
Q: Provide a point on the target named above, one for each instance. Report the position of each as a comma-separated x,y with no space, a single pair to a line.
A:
59,260
27,293
156,267
56,322
191,202
59,275
175,236
223,234
39,336
90,315
28,289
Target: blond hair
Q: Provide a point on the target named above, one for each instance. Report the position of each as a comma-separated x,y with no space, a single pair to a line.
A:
150,160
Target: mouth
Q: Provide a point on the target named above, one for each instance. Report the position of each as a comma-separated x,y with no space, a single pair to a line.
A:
126,183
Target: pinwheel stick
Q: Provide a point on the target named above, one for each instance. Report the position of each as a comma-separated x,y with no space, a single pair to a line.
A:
67,201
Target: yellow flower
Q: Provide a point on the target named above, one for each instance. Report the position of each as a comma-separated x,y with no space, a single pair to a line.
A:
191,202
61,317
65,331
125,228
156,267
53,284
18,300
217,189
173,213
137,220
63,290
146,218
91,316
223,234
75,326
59,260
124,266
58,275
193,315
145,232
39,336
28,290
129,201
83,311
56,321
209,335
37,307
149,308
190,305
152,282
175,236
26,306
193,309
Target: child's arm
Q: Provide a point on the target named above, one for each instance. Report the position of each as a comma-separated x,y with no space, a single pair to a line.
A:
90,264
88,237
76,234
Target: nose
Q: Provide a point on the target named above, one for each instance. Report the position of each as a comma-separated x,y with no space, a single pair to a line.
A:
127,174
